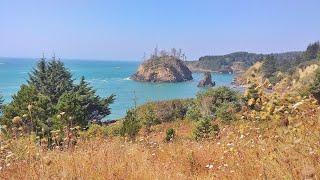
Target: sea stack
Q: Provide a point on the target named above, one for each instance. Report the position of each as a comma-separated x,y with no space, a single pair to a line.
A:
165,68
206,81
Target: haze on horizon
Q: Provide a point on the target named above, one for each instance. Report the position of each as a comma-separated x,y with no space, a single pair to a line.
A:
124,30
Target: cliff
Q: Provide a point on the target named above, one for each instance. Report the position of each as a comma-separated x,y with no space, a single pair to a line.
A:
163,69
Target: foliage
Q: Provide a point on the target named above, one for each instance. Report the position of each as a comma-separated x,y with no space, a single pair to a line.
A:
312,51
269,66
205,129
150,117
193,113
130,125
165,111
226,112
170,134
29,103
51,100
315,87
96,130
212,99
51,79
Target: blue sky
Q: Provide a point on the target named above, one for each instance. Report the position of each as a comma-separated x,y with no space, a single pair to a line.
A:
124,30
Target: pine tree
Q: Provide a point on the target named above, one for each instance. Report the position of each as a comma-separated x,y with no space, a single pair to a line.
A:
51,79
131,125
269,66
312,51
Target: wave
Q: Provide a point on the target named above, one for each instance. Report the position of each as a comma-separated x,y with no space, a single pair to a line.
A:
127,79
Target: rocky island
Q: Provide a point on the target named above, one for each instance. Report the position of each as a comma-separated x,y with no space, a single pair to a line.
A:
164,68
206,81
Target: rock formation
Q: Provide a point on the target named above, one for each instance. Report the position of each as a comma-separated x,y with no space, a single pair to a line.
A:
206,81
163,69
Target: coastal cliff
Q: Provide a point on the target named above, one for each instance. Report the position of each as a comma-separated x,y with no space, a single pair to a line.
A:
163,69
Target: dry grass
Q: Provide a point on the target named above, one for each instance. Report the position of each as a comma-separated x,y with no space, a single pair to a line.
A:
243,150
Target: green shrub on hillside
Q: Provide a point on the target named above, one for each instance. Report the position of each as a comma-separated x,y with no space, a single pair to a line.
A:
149,118
130,125
170,134
315,87
96,130
210,100
193,113
205,129
226,112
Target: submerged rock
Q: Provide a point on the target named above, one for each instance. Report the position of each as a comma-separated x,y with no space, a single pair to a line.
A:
206,81
163,69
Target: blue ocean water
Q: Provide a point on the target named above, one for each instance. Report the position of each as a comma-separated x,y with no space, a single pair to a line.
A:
107,77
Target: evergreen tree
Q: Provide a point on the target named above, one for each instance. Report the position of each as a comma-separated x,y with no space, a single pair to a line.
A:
312,51
269,66
31,105
51,79
315,87
131,125
84,105
50,90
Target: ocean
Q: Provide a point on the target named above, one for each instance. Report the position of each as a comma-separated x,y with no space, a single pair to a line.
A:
107,77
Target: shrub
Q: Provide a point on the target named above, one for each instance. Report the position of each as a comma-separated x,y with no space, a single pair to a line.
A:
170,134
226,112
205,129
96,130
315,87
212,99
193,113
130,125
149,117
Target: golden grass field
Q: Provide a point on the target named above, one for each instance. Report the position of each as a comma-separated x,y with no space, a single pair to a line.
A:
242,150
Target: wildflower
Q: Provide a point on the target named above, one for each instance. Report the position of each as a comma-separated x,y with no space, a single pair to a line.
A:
62,113
209,166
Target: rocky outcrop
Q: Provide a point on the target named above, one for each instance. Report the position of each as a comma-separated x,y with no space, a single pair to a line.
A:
163,69
206,81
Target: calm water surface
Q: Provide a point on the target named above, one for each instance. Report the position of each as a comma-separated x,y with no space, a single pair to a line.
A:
107,77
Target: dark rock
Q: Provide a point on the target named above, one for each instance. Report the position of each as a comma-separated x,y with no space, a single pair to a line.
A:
163,69
206,81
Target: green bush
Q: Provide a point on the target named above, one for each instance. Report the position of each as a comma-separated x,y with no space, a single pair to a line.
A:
193,113
149,118
205,129
96,130
170,134
212,99
130,125
226,112
315,87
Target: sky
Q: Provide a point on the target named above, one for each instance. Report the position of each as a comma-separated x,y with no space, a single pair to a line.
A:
126,29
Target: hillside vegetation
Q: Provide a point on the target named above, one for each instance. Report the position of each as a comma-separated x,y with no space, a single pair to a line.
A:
239,61
271,131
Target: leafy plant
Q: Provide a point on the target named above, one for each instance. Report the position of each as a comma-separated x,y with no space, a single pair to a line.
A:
205,129
150,117
315,87
130,125
193,113
170,134
212,99
226,112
